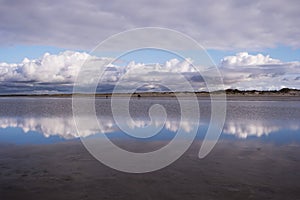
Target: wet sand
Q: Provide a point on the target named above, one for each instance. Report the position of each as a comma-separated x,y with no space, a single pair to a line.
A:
233,170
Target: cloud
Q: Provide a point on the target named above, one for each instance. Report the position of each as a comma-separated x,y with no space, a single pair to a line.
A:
258,72
244,59
82,25
50,72
172,74
57,73
50,68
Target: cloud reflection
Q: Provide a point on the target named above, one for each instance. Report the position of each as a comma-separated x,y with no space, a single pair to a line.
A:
65,126
247,128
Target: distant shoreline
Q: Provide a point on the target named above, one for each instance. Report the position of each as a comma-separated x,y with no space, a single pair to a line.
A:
230,93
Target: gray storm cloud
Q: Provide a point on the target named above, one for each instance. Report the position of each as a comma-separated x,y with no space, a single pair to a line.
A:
225,24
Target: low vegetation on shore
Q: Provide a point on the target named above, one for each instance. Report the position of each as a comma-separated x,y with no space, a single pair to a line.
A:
229,92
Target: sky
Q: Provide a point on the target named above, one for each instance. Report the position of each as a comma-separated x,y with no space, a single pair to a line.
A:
255,44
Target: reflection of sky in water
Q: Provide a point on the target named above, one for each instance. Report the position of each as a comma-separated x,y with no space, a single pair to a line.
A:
32,120
18,136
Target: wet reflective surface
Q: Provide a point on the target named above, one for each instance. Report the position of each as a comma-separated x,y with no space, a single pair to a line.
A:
50,120
257,156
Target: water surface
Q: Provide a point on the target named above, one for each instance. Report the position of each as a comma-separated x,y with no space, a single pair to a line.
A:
50,120
256,157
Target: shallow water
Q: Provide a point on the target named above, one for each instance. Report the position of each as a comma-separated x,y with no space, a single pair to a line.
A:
50,120
256,157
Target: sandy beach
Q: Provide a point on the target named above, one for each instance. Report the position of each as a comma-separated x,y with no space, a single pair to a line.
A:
234,170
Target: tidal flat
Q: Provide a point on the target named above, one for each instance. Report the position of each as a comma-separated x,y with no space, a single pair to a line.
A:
42,156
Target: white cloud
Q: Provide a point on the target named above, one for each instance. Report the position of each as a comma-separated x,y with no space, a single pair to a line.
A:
56,73
152,75
244,59
50,68
259,72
